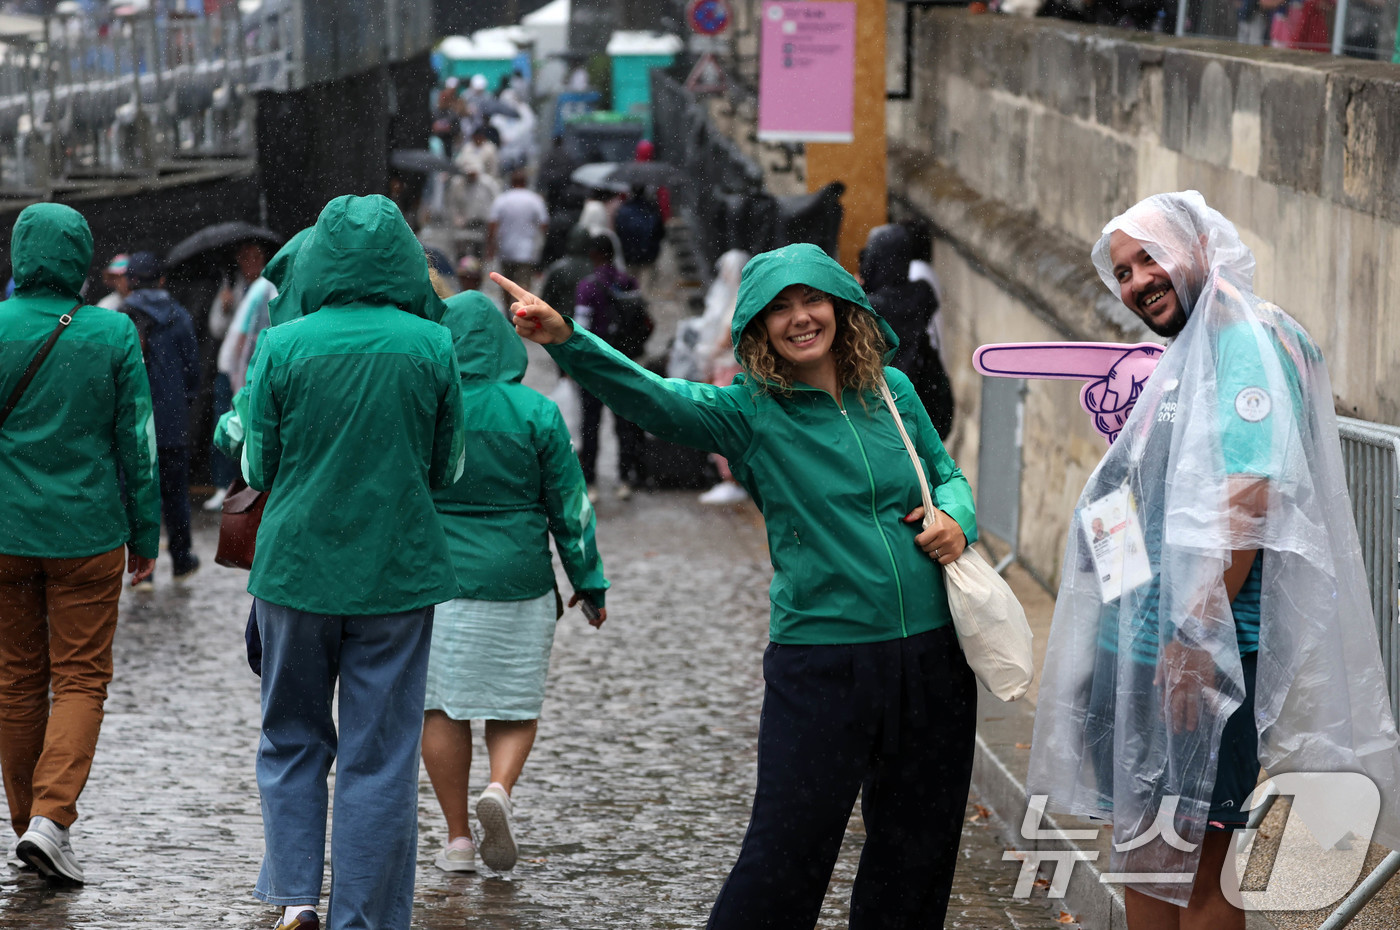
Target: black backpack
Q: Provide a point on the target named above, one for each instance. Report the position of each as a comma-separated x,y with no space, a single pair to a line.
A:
630,323
933,387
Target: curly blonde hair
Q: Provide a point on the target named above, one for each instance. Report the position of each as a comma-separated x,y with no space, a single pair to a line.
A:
859,348
439,283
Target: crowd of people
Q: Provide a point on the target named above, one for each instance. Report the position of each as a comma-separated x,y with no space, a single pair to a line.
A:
1368,31
484,211
586,241
396,383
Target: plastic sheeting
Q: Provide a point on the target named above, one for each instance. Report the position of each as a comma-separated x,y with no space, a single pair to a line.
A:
1232,446
702,339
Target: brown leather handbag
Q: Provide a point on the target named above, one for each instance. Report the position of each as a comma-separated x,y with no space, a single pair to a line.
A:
238,528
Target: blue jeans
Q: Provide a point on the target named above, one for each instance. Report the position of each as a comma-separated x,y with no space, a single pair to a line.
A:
381,663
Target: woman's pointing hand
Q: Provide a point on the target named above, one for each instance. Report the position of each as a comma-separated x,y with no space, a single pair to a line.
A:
534,319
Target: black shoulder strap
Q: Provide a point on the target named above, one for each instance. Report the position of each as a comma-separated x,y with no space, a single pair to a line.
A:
35,362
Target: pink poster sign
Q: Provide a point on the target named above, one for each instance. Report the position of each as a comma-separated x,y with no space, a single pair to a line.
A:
807,66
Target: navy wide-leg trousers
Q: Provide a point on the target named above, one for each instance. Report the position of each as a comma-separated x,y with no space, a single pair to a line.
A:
894,721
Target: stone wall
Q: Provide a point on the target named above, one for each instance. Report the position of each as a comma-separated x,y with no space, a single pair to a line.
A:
1023,137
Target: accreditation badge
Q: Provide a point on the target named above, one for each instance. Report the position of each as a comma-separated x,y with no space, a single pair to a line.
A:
1114,536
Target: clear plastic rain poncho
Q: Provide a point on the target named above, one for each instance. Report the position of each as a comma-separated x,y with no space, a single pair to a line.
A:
700,340
1232,446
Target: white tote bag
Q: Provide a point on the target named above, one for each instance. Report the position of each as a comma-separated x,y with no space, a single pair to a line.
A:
990,622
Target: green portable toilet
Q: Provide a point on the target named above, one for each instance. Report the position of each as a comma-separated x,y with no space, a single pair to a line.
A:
461,57
633,56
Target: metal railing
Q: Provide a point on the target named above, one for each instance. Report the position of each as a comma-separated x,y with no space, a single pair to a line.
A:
1356,28
86,98
999,462
1371,457
722,185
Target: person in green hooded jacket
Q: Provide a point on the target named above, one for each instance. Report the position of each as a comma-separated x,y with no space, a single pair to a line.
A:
81,429
354,416
866,688
491,643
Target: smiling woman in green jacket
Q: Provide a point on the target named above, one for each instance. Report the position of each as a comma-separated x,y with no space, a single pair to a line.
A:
866,689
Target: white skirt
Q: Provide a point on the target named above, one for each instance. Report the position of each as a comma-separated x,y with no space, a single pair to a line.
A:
489,659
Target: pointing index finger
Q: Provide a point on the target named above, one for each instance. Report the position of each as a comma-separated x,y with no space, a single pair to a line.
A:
515,290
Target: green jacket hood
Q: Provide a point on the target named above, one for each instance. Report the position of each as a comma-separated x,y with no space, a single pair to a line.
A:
801,263
361,251
279,267
284,306
51,249
486,344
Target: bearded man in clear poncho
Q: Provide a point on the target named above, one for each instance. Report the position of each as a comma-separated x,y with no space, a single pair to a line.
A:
1229,627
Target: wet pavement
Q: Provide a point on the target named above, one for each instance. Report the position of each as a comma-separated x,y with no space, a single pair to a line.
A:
630,811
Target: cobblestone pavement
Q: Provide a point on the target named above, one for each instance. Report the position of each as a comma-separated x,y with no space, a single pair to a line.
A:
630,811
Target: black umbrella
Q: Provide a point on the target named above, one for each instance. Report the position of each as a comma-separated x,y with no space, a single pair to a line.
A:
644,174
421,161
218,236
490,107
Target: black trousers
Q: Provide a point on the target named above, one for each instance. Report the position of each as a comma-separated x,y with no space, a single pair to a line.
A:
631,443
174,465
894,721
591,409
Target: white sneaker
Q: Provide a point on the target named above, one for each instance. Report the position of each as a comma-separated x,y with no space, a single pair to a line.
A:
13,860
45,846
457,856
217,501
497,847
305,919
623,492
726,492
592,494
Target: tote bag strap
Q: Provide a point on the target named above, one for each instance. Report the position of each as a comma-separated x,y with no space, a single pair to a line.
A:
913,456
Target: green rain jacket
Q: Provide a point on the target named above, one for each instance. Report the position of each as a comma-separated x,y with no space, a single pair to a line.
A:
354,414
525,481
85,419
834,484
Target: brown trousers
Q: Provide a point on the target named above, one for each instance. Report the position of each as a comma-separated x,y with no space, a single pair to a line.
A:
57,620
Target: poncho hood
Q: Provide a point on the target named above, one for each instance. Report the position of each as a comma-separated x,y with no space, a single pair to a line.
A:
885,259
50,250
486,344
803,263
361,251
1187,237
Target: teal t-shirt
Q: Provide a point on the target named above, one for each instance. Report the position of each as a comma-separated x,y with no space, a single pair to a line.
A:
1255,425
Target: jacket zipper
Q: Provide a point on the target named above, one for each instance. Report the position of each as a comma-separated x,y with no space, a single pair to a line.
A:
875,515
